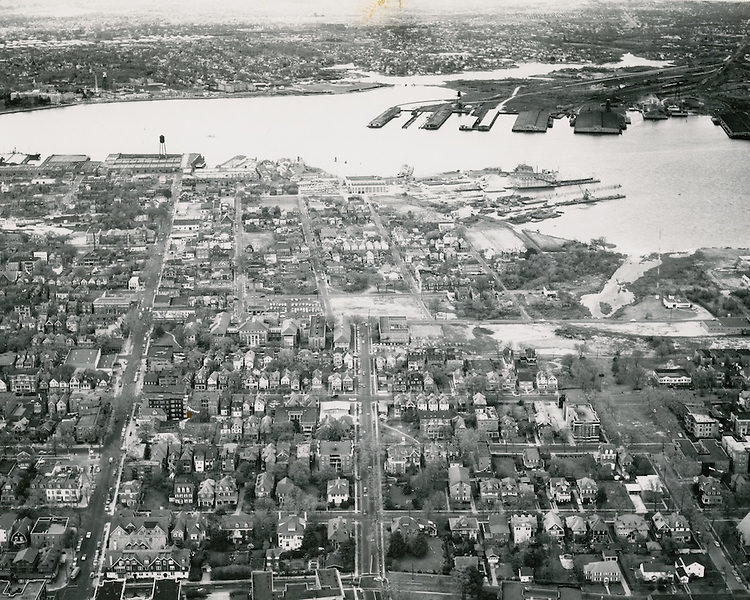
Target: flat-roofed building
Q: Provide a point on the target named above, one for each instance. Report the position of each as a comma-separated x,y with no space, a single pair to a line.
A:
393,330
583,422
701,425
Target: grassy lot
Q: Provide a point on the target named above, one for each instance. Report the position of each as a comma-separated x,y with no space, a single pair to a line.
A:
630,418
154,499
504,467
617,495
431,563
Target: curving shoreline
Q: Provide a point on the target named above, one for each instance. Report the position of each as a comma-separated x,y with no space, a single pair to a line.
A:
364,86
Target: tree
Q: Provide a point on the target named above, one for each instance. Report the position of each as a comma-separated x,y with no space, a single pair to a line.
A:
472,583
347,552
468,441
397,547
311,543
299,472
418,546
335,430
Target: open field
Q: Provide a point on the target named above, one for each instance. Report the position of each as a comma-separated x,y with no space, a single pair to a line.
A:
376,306
422,210
431,563
283,202
259,240
630,418
496,237
652,308
426,331
542,337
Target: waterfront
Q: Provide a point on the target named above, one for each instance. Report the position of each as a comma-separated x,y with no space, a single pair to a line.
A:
685,182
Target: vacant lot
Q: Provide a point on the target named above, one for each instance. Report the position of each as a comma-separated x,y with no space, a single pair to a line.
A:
499,238
617,496
631,418
652,309
259,240
432,563
376,306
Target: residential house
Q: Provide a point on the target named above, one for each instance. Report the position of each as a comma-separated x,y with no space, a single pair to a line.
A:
184,490
206,493
602,571
463,526
577,527
239,527
673,525
402,457
337,491
631,527
339,530
459,484
227,493
410,526
523,527
587,489
290,531
655,571
264,485
709,491
598,530
553,526
559,490
498,529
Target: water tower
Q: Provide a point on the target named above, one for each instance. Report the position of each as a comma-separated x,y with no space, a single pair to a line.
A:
162,147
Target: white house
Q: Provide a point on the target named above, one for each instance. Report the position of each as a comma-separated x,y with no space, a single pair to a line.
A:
337,491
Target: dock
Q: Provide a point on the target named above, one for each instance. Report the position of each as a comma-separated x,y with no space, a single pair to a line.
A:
438,118
385,117
735,124
532,121
488,120
599,122
414,116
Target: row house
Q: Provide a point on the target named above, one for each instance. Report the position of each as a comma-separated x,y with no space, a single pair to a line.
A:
435,425
130,531
168,563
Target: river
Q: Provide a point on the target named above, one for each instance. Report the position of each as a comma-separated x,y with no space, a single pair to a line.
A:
686,183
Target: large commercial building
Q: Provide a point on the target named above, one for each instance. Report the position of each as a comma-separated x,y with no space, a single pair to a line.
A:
393,330
583,422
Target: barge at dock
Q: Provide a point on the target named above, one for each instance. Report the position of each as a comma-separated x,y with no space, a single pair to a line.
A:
438,118
383,118
735,124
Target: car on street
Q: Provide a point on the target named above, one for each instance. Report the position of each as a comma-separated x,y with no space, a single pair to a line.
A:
83,558
88,534
717,543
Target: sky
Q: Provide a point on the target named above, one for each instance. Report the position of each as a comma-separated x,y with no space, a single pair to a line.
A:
218,11
248,9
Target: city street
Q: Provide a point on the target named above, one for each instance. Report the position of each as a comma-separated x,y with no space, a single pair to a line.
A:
95,517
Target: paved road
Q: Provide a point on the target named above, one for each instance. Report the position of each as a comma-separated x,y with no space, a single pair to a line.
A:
239,249
678,489
318,270
405,270
95,517
490,272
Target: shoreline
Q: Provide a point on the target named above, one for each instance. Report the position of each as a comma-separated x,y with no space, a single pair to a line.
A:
353,89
